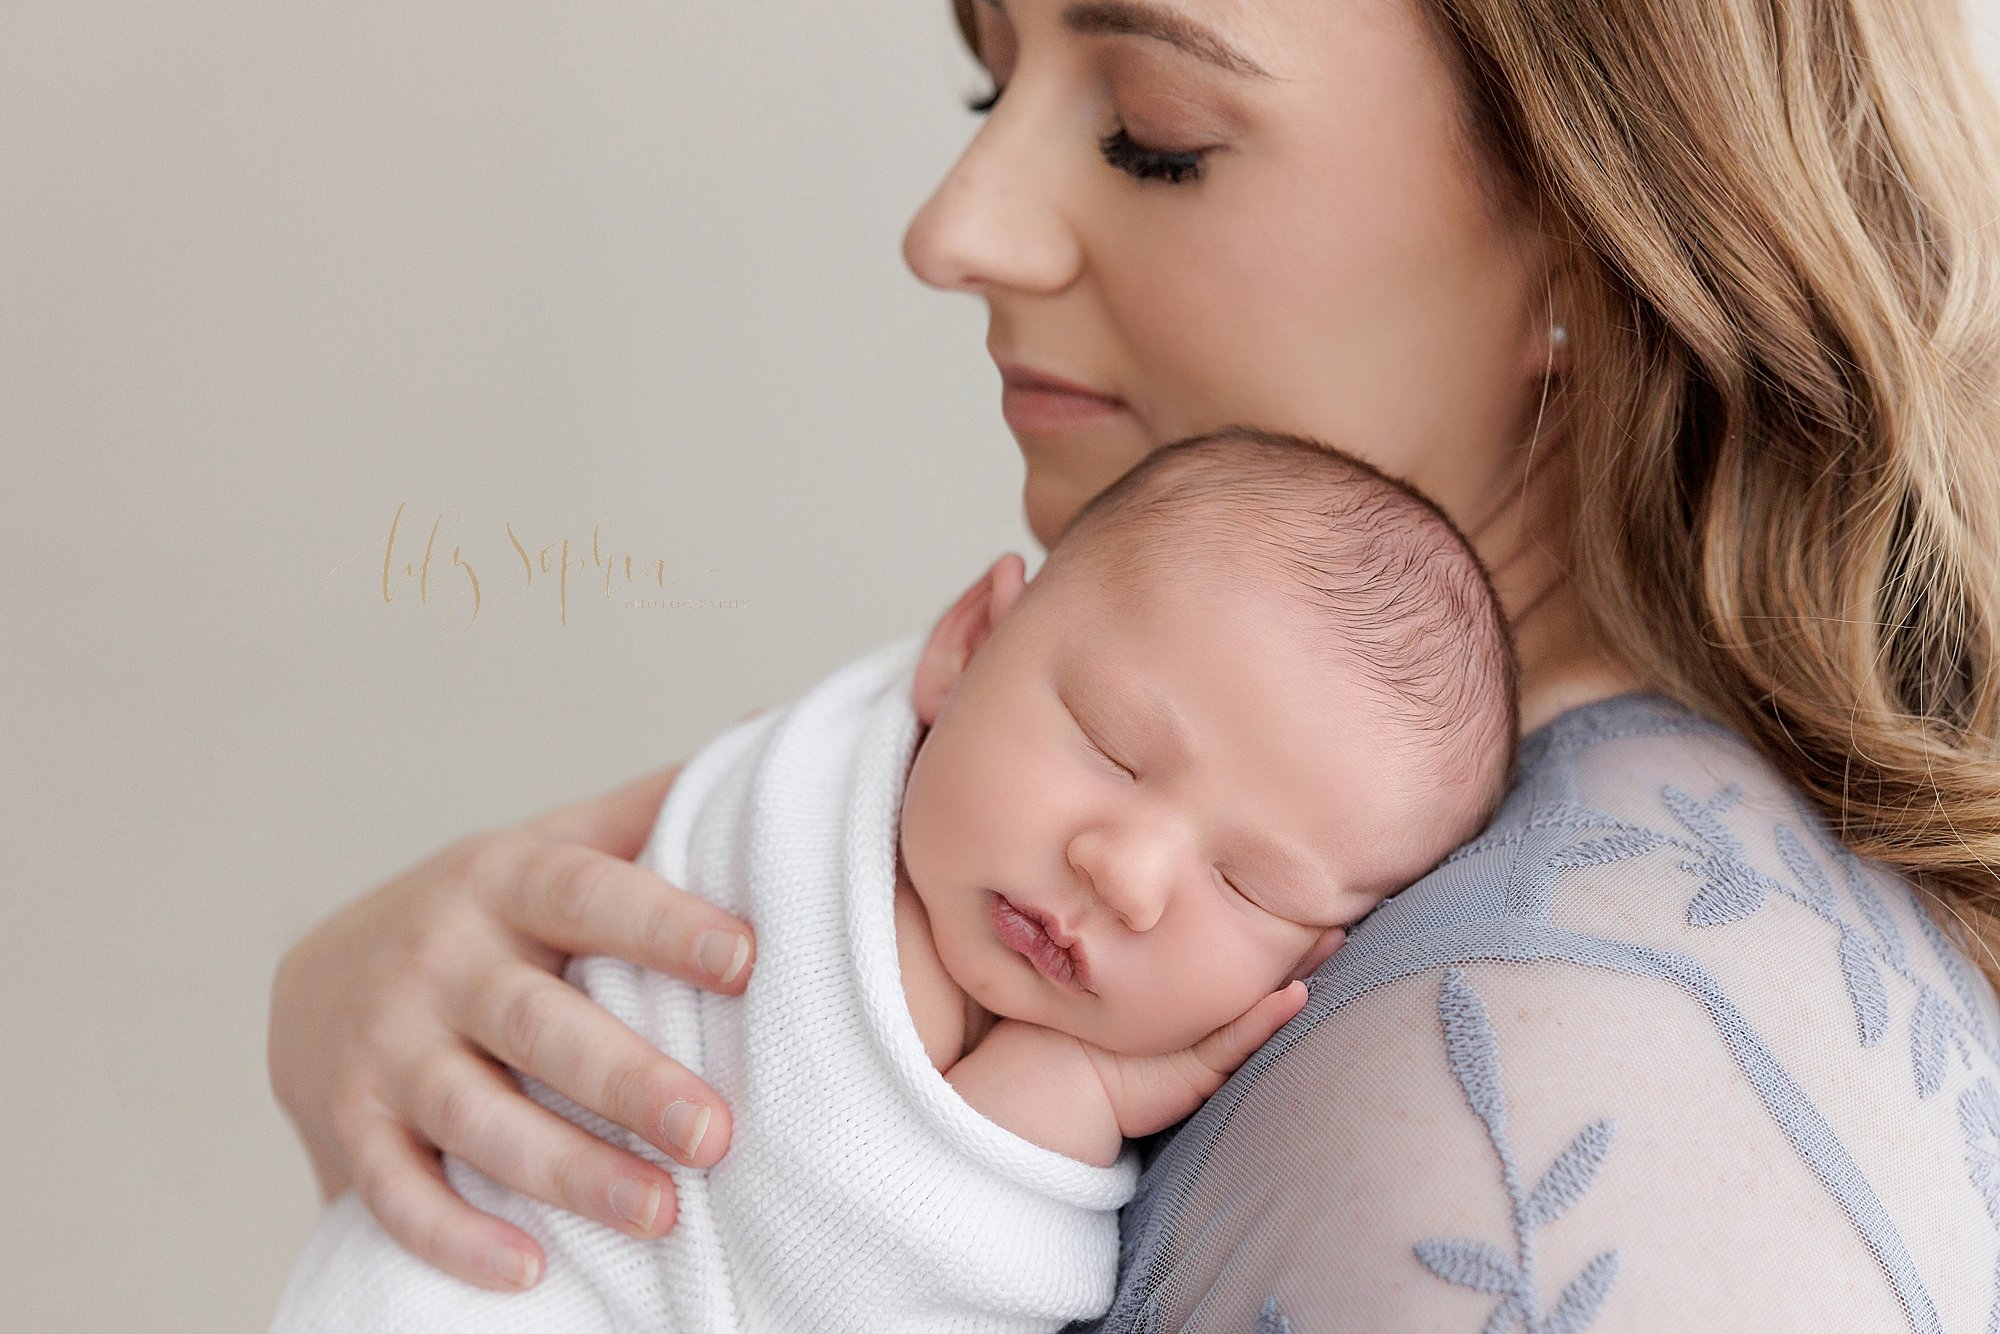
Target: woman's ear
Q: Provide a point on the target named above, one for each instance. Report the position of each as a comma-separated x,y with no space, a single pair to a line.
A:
1329,940
961,631
1550,337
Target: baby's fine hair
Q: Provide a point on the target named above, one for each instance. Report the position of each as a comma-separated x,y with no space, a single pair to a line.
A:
1395,586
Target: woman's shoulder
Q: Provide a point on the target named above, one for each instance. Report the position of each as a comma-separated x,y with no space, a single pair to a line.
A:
1645,841
1633,819
1654,1043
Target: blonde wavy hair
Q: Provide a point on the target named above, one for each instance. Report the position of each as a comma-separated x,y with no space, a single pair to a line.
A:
1780,423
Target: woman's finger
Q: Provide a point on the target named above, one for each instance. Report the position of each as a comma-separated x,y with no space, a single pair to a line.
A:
474,1111
402,1183
544,1027
581,901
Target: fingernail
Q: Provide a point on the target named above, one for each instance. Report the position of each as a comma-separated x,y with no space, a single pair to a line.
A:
516,1267
685,1123
721,954
637,1202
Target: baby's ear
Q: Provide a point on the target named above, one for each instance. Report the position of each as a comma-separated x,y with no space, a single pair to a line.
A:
1329,940
961,631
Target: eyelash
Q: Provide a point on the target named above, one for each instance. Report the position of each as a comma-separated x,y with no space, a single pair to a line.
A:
1125,153
1107,757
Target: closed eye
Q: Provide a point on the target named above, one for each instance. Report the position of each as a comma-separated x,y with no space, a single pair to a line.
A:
1102,753
1091,741
1139,161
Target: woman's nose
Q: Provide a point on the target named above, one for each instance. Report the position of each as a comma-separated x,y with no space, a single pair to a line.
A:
1129,869
993,222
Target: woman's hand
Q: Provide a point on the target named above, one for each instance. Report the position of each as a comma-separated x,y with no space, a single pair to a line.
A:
392,1020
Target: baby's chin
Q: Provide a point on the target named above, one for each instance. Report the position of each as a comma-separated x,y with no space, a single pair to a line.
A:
1149,1039
1104,1025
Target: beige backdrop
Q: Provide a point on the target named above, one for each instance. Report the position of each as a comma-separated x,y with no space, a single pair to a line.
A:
285,290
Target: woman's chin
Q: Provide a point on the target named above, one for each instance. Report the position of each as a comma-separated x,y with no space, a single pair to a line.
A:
1059,484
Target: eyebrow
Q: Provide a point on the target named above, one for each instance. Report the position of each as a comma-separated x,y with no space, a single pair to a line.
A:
1128,18
1160,717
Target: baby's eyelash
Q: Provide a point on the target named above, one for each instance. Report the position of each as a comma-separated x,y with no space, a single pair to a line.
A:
1091,741
1107,758
1237,889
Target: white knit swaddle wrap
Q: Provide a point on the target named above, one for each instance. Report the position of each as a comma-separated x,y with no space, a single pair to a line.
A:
860,1192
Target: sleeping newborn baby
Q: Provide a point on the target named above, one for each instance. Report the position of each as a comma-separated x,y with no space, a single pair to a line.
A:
1024,888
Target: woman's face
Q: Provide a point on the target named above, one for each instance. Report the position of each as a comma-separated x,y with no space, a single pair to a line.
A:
1221,213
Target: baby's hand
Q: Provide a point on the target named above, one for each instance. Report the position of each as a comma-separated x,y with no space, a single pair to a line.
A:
1150,1093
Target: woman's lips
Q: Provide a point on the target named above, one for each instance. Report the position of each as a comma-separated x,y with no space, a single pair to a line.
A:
1025,936
1033,402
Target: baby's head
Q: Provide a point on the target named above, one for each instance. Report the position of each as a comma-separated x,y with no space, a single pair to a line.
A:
1255,688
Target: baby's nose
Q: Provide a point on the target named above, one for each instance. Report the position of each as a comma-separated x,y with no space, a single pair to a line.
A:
1131,876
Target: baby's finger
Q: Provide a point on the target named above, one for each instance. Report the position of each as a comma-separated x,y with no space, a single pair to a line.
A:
404,1187
544,1027
475,1112
1229,1046
580,901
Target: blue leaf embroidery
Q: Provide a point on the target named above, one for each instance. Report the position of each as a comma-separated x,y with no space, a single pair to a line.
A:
1979,1118
1864,987
1569,1176
1731,889
1805,870
1614,847
1470,1264
1937,1028
1577,1306
1474,1057
1702,819
1872,909
1730,893
1927,1034
1508,1318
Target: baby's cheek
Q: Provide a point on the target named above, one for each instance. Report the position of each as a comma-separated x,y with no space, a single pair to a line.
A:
1167,1018
940,804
